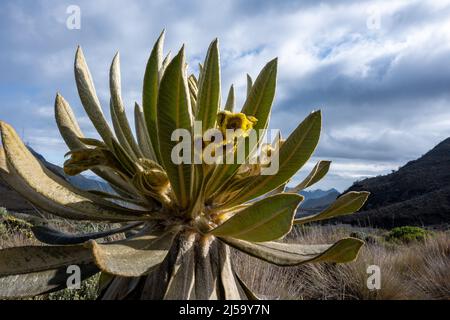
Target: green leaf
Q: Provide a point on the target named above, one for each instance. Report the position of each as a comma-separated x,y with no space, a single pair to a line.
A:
346,204
150,92
261,95
89,99
133,257
284,254
249,84
174,112
119,109
265,220
208,100
317,173
230,104
278,190
293,154
164,65
193,92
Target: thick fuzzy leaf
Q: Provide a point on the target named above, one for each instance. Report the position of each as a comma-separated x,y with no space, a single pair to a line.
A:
31,270
265,220
3,164
93,143
27,259
317,173
117,288
284,254
230,104
174,112
156,282
133,257
150,92
127,163
182,280
344,205
41,282
67,123
119,109
52,236
72,135
207,269
229,283
50,192
144,140
89,99
208,100
261,95
118,130
293,154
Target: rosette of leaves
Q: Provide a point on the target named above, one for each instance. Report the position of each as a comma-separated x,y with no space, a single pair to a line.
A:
180,220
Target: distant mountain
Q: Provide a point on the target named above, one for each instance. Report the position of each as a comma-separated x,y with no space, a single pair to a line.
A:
14,202
417,194
319,202
318,193
316,200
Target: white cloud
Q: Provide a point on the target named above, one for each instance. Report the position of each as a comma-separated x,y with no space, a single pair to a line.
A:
383,92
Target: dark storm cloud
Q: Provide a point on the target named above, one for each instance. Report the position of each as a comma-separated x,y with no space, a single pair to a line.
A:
384,91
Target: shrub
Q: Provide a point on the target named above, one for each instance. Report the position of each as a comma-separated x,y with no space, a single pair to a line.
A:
10,225
407,234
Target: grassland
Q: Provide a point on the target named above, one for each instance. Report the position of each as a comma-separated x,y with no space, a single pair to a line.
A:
410,269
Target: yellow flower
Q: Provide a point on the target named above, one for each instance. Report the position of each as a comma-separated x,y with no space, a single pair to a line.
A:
235,121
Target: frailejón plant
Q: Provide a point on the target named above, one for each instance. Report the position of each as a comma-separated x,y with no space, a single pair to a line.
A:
179,220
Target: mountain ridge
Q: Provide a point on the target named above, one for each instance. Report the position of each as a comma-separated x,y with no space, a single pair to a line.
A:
418,193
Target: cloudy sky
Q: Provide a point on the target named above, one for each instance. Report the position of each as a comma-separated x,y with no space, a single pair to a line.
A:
379,70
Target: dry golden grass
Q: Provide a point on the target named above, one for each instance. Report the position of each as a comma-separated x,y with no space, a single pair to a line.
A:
418,270
409,271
